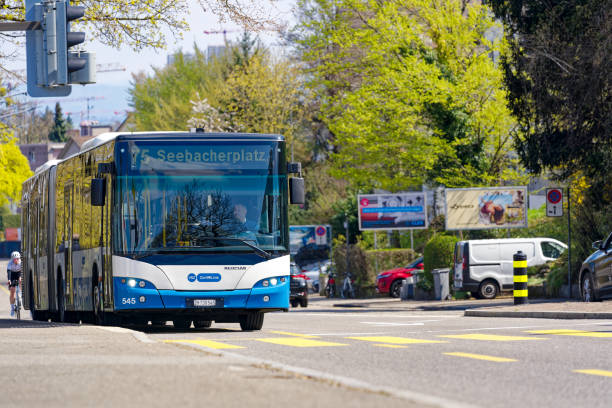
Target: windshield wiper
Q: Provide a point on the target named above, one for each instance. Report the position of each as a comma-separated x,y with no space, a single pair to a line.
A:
254,247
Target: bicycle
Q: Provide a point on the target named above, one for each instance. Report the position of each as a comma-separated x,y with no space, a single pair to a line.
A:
18,302
347,287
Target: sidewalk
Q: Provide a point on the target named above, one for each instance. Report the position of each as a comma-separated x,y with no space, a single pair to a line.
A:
500,307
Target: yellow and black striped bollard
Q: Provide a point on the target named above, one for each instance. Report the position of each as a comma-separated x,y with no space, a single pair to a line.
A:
520,278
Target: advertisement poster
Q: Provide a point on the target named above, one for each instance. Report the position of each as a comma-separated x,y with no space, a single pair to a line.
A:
392,211
485,208
301,236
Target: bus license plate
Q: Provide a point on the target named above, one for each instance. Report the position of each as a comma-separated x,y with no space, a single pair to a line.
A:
204,302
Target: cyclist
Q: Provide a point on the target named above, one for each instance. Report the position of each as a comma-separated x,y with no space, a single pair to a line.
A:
14,277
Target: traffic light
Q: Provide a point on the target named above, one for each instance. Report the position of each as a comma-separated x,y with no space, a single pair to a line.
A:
52,67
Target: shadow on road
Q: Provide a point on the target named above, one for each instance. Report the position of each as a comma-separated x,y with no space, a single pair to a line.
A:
29,324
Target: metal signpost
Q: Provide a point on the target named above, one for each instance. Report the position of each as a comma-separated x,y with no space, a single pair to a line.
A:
554,202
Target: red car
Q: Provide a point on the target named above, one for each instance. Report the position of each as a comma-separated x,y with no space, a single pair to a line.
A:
391,281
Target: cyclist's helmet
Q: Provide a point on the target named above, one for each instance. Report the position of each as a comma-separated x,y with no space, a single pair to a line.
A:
15,255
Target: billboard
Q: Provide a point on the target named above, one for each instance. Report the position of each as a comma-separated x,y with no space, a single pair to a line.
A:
486,208
304,235
392,211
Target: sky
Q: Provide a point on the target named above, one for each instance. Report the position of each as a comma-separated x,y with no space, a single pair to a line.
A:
111,89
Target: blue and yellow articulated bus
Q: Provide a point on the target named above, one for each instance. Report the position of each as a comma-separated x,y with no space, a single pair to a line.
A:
139,227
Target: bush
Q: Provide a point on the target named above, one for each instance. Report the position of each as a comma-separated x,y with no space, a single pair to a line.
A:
389,258
358,265
557,276
438,254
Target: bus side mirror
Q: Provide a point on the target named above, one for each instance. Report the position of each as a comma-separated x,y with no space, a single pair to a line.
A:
98,192
296,190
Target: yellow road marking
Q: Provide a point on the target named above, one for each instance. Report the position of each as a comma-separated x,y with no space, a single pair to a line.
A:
571,332
389,345
5,289
602,373
395,340
206,343
299,342
306,336
490,337
482,357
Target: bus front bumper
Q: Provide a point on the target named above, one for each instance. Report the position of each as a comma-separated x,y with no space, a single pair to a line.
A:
132,295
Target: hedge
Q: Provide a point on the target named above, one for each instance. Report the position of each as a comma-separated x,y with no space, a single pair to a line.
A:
438,253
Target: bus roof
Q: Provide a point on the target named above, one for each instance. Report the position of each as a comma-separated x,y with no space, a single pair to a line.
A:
106,137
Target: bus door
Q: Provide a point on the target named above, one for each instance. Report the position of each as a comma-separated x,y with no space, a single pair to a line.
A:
107,276
35,228
68,283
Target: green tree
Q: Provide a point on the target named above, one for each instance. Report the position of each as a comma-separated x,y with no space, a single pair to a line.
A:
162,101
14,167
411,92
559,72
58,132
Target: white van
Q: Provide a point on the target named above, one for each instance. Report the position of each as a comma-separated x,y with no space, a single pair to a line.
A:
484,266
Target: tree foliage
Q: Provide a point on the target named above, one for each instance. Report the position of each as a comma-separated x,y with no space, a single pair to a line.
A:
138,24
558,71
14,167
58,132
410,91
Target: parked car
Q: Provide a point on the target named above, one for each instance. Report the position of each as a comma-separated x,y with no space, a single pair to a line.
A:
596,272
391,281
313,272
484,266
298,294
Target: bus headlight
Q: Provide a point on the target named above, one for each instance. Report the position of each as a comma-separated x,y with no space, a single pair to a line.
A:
265,283
273,281
142,284
132,283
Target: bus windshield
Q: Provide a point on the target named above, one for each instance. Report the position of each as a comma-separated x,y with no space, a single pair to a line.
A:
184,197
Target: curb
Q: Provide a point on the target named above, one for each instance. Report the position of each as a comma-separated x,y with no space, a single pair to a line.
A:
539,315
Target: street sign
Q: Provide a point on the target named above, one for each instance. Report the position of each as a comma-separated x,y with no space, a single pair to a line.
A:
321,235
554,202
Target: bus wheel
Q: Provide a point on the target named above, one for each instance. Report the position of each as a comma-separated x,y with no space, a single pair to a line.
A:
202,324
251,321
182,324
36,314
96,295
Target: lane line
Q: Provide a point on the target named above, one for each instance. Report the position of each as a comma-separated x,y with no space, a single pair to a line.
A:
352,383
490,337
395,346
396,340
206,343
391,324
299,342
306,336
482,357
602,373
346,334
571,332
5,290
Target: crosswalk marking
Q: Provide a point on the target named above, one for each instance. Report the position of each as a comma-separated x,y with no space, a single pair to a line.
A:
306,336
390,345
490,337
299,342
395,340
602,373
482,357
570,332
207,343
